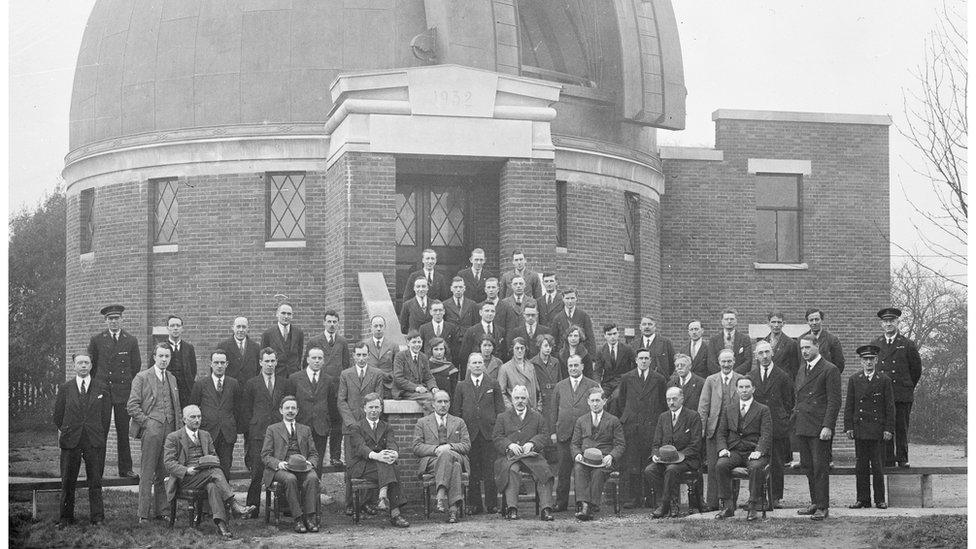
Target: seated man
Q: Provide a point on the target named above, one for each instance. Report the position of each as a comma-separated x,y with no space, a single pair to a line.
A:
675,450
520,435
442,443
372,456
182,452
285,444
412,379
745,435
597,445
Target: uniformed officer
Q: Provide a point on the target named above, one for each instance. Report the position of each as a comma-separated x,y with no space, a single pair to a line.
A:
898,358
115,361
869,418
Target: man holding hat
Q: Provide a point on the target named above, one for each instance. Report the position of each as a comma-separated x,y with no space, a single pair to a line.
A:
869,418
288,454
190,458
898,358
115,362
745,437
597,446
675,450
520,435
373,454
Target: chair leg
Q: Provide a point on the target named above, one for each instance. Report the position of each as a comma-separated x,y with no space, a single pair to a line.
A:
355,503
464,497
172,512
267,506
198,513
536,498
427,501
504,503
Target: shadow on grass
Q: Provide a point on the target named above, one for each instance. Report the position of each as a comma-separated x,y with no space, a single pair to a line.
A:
698,530
936,531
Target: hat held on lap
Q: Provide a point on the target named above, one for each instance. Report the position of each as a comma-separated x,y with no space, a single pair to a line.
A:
298,464
593,457
669,454
208,462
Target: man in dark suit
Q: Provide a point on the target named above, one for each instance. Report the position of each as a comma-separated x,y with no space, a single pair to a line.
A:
786,353
517,298
219,399
82,412
571,315
774,389
115,361
475,334
869,418
448,331
315,391
183,365
898,358
382,350
437,283
283,440
442,443
373,454
551,300
533,285
530,329
745,435
505,316
814,417
459,309
287,340
690,384
640,402
660,347
243,360
337,360
717,391
613,361
415,312
734,340
475,276
569,403
412,379
830,347
261,397
354,384
520,435
478,401
597,430
681,428
699,352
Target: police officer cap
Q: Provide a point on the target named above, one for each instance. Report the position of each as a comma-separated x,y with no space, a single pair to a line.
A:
112,310
889,312
868,351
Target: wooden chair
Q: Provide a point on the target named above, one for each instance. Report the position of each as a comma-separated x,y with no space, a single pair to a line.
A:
197,498
526,476
358,485
274,494
427,480
742,473
613,482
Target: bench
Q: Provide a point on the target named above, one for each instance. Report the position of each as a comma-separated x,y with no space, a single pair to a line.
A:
924,494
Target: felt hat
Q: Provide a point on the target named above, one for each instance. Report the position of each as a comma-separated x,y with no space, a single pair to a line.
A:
669,454
208,462
593,457
298,464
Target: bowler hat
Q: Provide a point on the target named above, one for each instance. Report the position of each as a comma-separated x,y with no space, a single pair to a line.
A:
889,312
208,462
593,457
298,464
868,351
112,310
669,454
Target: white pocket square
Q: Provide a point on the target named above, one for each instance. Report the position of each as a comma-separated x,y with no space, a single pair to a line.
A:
100,396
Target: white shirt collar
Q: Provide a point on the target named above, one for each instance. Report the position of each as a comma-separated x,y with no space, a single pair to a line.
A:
814,361
596,417
160,374
214,378
521,414
191,434
88,382
310,373
677,412
174,344
441,420
746,403
478,379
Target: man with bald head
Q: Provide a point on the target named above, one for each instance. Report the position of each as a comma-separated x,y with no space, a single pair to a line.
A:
442,443
520,436
774,388
478,401
679,433
718,391
242,352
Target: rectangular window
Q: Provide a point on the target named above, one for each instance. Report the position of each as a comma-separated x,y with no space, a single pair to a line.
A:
286,206
166,212
86,218
561,214
778,217
632,223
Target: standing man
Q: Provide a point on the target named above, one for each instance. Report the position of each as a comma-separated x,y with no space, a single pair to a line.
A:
612,362
286,339
437,283
242,352
442,443
460,309
745,433
691,385
640,402
219,399
478,401
381,352
571,315
533,284
475,276
315,393
733,340
415,312
597,446
337,360
520,437
183,365
115,361
550,301
718,391
354,384
373,454
518,299
898,358
786,353
814,417
82,412
675,450
569,403
774,389
289,456
869,419
505,315
487,327
448,331
530,329
699,352
660,347
154,406
830,348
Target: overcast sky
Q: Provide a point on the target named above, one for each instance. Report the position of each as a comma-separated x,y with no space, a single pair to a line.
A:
823,55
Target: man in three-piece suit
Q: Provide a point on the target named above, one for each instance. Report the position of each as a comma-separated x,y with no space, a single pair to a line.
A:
478,401
640,402
281,441
774,389
569,404
869,419
690,384
898,358
182,452
613,360
287,340
337,359
529,330
602,431
82,412
814,416
505,316
373,454
475,334
154,406
382,350
442,443
115,361
460,310
354,384
448,331
315,391
438,285
786,352
262,395
830,347
571,315
550,301
520,435
729,338
533,284
411,373
681,428
242,352
415,312
517,299
475,276
745,434
699,352
660,347
183,364
219,399
718,390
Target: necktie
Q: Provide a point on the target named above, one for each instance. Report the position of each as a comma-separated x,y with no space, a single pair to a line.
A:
442,431
489,331
575,384
518,301
809,367
284,332
241,345
549,299
674,419
459,304
362,373
531,332
372,425
430,279
743,413
728,340
331,341
84,391
647,342
193,437
477,383
115,336
765,374
377,341
437,330
891,340
270,383
220,384
613,353
315,378
596,421
290,428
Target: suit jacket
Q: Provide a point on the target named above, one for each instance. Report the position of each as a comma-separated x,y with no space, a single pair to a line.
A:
115,363
561,324
183,366
685,435
363,440
608,436
585,356
337,357
471,342
478,407
533,283
260,408
744,434
381,358
701,363
547,375
352,392
901,362
546,310
777,394
786,355
426,440
408,374
413,316
76,415
509,429
532,346
817,399
869,410
452,336
276,446
142,400
241,367
505,315
569,406
316,403
464,316
519,309
713,400
440,289
662,353
474,289
289,352
641,402
830,349
219,410
741,346
692,389
608,370
176,456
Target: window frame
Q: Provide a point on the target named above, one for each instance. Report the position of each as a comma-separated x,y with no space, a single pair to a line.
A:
562,215
86,220
272,223
798,209
157,185
631,223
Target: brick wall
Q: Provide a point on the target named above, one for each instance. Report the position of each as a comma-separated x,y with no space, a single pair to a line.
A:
408,464
527,206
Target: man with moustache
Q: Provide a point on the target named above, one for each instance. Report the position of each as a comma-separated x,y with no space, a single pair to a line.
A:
675,450
774,389
570,403
219,400
478,401
718,390
520,436
285,443
691,385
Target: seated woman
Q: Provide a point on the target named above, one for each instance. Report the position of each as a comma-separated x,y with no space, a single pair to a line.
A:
444,371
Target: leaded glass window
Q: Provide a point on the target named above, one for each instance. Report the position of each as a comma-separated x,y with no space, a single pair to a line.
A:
86,218
166,211
286,206
406,218
446,218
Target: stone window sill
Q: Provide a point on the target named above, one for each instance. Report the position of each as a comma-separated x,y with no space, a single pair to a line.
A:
781,266
166,248
285,244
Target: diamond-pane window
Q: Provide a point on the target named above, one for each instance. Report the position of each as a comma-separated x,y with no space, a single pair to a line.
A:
632,223
86,218
405,228
286,206
167,212
446,218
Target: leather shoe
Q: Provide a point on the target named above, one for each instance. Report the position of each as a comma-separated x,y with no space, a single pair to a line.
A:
881,505
128,474
491,509
312,525
239,510
859,505
546,515
727,512
399,521
383,504
511,513
223,530
584,513
658,512
820,514
300,527
452,517
752,515
368,508
675,509
350,511
337,463
808,511
441,505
